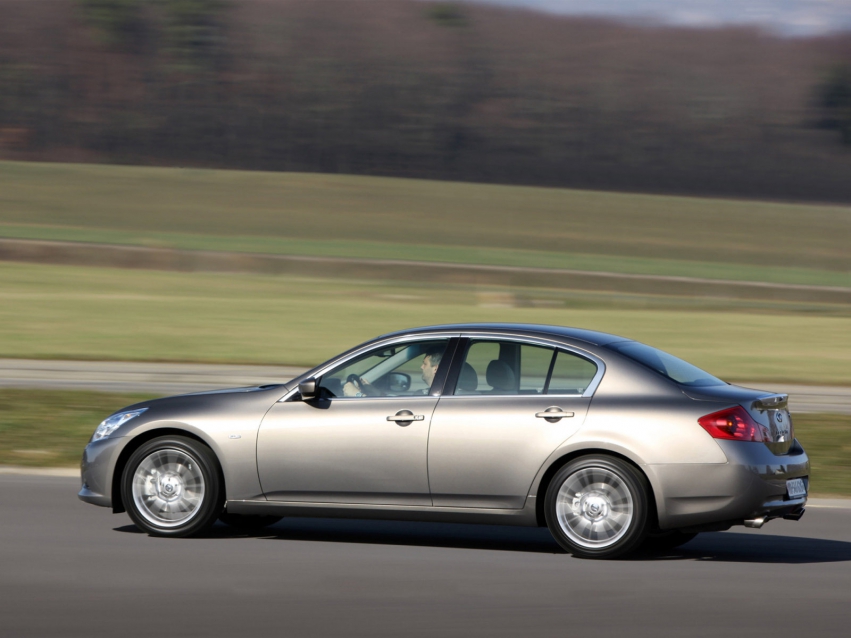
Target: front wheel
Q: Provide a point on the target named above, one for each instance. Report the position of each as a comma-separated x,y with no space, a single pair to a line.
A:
597,507
171,487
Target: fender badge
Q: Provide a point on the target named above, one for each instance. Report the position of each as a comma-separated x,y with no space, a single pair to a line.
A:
235,436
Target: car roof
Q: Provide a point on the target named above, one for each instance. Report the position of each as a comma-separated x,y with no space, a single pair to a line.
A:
532,329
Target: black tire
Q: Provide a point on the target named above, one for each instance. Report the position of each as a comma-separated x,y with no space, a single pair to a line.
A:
248,522
180,498
666,541
608,521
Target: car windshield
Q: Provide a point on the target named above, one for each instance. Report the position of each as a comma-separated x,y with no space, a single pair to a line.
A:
666,364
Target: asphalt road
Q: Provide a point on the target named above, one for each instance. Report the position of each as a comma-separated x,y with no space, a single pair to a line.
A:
177,378
71,569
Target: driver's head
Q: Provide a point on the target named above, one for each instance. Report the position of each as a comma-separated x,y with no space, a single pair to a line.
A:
430,362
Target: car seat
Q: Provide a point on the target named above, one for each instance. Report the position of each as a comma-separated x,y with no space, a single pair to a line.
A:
501,378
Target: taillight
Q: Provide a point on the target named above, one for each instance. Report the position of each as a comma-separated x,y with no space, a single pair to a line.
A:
734,424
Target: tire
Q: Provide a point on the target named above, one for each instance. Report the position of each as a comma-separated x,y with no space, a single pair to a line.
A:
172,486
597,506
666,541
248,522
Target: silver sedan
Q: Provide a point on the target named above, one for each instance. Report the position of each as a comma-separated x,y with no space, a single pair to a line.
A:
610,443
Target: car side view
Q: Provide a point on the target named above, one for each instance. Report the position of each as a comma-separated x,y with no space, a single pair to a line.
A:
610,443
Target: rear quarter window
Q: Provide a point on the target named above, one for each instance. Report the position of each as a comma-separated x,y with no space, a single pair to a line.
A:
571,374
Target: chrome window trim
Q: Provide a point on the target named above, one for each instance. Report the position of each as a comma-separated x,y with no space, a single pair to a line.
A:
504,396
318,373
537,341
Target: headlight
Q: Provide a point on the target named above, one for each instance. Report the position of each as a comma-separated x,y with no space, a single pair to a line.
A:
110,425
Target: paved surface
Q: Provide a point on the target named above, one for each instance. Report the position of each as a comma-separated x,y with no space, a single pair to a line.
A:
176,378
811,398
71,569
121,376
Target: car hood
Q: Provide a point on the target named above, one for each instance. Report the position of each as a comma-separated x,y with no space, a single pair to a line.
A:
210,399
254,388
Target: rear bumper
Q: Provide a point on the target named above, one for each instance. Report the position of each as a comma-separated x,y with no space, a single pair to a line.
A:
96,470
750,486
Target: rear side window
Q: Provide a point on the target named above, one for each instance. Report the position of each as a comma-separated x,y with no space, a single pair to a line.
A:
534,367
666,364
509,367
571,374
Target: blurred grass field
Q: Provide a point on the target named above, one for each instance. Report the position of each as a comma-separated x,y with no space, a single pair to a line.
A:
355,216
50,428
101,313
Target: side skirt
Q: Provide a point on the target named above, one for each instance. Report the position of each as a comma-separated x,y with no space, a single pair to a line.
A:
524,517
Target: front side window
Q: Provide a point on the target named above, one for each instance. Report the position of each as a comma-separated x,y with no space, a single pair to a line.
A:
508,367
406,369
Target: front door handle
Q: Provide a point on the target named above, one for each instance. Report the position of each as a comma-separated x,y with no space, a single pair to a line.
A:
405,417
554,414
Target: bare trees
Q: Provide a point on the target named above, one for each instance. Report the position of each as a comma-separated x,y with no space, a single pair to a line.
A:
440,90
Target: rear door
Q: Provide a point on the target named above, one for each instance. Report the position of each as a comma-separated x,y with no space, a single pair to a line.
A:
491,432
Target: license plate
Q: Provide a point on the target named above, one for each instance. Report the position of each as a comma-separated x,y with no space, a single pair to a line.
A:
796,488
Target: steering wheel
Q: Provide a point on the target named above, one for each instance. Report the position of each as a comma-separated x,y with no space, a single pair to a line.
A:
363,386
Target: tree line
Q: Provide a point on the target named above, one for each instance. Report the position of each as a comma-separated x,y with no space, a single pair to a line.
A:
426,89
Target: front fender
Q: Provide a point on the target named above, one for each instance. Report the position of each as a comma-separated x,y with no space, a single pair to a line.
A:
233,442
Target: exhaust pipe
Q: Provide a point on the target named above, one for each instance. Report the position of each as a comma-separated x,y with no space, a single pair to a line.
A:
755,523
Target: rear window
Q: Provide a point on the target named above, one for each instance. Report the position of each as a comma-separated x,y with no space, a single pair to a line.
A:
666,364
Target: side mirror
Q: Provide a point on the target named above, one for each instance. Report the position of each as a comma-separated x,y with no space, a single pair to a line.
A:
398,382
308,389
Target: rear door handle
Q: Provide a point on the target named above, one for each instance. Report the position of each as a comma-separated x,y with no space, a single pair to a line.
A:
553,414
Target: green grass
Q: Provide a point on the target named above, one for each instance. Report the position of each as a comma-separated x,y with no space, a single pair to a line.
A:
98,313
427,220
445,254
827,440
42,428
50,428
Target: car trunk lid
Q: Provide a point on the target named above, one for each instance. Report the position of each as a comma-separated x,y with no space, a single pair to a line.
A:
769,409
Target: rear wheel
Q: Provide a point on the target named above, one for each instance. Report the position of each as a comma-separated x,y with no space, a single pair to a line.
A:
171,487
597,507
248,522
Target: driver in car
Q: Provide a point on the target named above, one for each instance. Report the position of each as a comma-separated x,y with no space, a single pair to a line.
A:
361,387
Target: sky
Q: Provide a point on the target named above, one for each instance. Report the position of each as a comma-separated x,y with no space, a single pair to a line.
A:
789,17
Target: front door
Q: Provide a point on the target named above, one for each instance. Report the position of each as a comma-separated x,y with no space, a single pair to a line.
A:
346,451
355,443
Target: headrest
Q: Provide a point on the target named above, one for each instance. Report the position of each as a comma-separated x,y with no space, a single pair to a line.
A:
500,376
468,380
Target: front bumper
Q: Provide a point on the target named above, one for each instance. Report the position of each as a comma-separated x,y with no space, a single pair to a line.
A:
96,470
749,487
